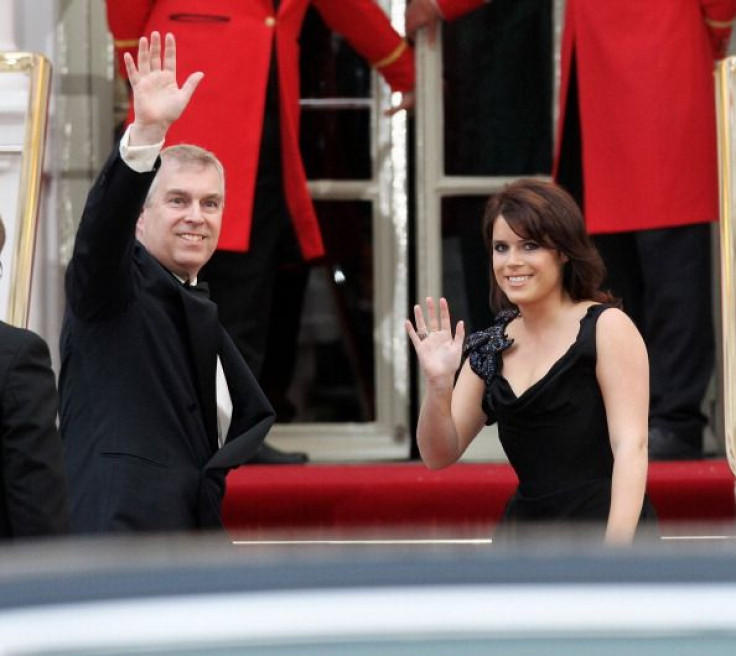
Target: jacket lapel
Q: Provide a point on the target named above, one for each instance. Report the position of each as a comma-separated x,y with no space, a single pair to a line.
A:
205,336
252,413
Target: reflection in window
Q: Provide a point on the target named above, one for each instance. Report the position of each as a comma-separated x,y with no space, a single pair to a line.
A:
498,85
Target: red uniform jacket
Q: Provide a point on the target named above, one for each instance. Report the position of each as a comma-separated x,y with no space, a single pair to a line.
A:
231,42
452,9
647,106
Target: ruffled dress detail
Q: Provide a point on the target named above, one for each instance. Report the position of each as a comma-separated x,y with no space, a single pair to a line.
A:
555,433
483,348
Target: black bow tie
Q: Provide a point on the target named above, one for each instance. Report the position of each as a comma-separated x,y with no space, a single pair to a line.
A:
200,289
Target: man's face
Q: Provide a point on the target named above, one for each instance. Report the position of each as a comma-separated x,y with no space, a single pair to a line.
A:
180,223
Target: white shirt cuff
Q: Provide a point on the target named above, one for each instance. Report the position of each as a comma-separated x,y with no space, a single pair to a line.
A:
139,158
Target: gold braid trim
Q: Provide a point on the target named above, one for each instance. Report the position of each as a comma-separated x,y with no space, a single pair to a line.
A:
125,43
719,24
387,61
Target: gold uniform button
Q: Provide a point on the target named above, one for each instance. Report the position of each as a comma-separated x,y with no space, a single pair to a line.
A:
270,21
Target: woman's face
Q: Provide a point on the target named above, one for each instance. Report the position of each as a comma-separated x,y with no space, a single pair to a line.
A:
525,271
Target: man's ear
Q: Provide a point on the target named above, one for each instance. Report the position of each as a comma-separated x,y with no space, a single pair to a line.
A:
140,225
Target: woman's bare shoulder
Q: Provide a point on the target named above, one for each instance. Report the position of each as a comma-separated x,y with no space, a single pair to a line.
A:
616,329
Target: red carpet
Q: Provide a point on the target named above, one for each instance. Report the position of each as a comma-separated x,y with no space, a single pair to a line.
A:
405,499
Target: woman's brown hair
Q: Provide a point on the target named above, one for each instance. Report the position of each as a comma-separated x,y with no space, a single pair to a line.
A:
547,214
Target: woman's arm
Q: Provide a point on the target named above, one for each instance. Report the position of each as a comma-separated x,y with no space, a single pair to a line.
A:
623,376
451,415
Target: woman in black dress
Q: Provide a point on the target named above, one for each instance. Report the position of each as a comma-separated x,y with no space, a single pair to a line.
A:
562,370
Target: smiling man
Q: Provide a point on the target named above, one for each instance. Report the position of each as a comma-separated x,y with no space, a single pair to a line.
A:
157,404
182,215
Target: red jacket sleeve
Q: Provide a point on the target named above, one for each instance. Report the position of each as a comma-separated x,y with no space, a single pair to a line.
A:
452,9
126,20
367,28
719,18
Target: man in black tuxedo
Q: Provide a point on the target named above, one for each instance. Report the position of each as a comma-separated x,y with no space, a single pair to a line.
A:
157,404
33,492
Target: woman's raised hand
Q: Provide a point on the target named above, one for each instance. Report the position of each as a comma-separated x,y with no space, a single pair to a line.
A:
438,351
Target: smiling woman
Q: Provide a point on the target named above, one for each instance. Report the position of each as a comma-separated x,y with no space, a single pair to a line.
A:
523,269
563,371
541,214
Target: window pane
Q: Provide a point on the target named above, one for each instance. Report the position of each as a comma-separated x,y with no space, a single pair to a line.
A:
334,372
498,89
330,68
465,263
335,143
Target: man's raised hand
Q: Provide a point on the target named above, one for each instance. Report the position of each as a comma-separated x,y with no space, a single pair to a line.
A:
157,99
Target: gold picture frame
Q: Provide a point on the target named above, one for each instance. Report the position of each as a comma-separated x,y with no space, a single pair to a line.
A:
726,114
38,69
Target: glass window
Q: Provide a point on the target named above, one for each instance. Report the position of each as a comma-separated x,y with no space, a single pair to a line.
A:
336,103
465,263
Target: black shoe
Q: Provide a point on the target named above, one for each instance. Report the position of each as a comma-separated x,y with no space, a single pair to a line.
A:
665,444
268,455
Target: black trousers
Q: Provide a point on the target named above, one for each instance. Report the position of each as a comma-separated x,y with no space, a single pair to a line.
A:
664,279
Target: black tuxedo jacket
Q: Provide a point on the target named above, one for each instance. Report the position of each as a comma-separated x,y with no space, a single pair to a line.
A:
137,383
33,492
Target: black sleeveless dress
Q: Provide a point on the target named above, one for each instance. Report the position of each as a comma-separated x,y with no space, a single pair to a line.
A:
555,434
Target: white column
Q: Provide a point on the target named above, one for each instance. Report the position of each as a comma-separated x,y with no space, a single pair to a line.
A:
7,25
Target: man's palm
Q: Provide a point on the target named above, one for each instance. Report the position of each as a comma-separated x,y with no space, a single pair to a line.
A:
157,99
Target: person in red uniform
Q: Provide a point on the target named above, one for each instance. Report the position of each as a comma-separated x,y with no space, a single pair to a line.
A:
253,127
637,147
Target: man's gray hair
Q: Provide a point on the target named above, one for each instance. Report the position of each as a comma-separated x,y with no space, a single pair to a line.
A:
188,154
